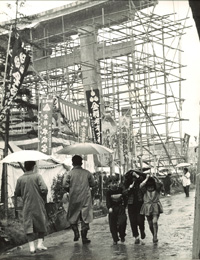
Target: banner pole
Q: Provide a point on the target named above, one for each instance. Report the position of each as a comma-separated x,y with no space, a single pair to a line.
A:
6,139
6,66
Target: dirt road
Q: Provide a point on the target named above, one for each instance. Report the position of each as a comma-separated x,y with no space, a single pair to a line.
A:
175,238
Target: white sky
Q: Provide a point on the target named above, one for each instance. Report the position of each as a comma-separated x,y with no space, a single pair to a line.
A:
190,57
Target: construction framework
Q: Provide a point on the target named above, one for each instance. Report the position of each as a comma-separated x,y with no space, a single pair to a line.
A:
133,56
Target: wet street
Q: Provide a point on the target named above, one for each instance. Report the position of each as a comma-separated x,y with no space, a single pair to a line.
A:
174,234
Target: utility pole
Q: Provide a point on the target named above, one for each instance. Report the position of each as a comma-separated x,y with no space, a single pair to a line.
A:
196,226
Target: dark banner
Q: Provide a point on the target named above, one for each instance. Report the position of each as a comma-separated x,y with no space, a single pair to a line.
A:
93,101
18,63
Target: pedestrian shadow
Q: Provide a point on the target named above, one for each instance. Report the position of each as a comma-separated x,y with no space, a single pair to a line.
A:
147,251
119,250
37,256
81,252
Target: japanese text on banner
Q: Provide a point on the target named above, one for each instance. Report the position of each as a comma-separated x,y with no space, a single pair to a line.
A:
19,60
45,125
83,129
93,101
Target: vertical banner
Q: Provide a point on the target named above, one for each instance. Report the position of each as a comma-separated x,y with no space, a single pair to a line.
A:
45,125
110,140
124,123
93,101
18,63
186,143
83,129
109,131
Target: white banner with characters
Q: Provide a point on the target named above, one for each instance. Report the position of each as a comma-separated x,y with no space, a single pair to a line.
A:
45,125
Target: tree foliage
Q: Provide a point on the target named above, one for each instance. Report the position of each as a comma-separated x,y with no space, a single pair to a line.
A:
57,188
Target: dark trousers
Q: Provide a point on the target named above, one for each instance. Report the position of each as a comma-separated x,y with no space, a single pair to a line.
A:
167,189
84,226
187,190
136,220
118,222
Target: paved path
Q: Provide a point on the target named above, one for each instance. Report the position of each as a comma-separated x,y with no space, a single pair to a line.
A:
175,239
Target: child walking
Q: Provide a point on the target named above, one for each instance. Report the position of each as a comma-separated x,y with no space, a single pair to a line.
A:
116,203
152,207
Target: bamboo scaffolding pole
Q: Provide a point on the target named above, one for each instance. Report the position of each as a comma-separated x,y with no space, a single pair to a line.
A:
156,131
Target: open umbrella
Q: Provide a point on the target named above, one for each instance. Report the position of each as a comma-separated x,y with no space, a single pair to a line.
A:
182,165
25,155
163,169
139,172
85,148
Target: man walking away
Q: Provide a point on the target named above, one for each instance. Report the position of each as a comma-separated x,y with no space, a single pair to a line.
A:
33,190
78,183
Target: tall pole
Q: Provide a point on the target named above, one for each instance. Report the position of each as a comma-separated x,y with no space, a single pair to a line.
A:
196,226
149,118
5,172
4,192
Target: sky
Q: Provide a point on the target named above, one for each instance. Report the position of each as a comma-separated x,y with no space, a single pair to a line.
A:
191,58
190,45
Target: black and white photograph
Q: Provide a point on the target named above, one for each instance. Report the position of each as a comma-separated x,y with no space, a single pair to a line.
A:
100,129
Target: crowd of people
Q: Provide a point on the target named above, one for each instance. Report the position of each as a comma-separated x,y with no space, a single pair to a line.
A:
137,191
141,195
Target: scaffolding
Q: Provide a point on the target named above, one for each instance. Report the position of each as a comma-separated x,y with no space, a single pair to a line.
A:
137,61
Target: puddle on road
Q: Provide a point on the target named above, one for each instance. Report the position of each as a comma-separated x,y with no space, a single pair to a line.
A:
168,212
37,256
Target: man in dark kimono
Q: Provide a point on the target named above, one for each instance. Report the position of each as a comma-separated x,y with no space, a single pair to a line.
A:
167,184
31,187
133,178
78,183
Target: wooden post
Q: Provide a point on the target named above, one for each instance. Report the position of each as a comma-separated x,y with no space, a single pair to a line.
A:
5,172
112,165
4,192
196,226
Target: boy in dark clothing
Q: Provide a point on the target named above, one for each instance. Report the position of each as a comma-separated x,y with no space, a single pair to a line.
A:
116,203
135,201
167,184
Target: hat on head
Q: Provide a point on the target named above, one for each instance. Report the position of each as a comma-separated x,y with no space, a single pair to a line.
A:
113,178
151,182
77,160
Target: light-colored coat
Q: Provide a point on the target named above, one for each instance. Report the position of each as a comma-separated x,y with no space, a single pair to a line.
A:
79,182
186,179
31,187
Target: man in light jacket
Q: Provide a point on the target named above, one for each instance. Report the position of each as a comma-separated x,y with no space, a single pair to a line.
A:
78,183
186,181
33,190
